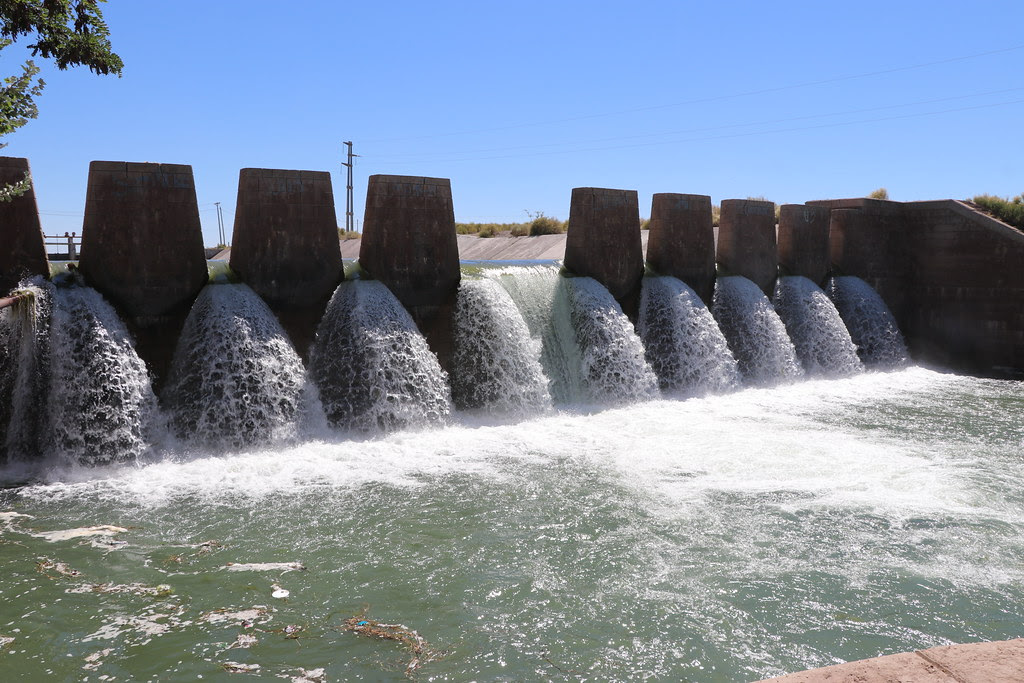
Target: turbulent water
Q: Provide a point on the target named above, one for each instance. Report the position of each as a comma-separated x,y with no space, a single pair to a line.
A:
683,343
870,322
24,370
99,402
539,293
496,363
724,538
235,378
373,369
756,335
818,333
613,367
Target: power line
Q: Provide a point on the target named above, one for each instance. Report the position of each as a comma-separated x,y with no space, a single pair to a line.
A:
715,98
806,117
738,135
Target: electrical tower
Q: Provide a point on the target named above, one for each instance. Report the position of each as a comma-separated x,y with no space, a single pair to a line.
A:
349,223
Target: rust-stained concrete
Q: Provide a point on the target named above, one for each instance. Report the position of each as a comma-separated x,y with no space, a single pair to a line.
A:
22,252
603,242
995,662
682,241
142,248
409,244
803,245
746,241
286,245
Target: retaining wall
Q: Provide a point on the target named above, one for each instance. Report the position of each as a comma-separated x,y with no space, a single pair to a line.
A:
22,251
951,275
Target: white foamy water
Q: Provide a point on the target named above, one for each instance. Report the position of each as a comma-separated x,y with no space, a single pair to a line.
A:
235,378
24,370
870,322
683,343
730,537
756,335
372,366
613,367
539,293
818,333
496,362
100,403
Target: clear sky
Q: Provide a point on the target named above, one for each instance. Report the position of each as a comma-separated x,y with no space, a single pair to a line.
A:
520,102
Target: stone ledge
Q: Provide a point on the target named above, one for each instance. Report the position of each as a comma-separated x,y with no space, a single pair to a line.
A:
996,662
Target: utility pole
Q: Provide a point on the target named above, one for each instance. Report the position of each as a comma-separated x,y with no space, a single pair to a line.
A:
220,224
348,187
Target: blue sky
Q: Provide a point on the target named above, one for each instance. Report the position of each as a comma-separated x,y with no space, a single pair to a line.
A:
520,102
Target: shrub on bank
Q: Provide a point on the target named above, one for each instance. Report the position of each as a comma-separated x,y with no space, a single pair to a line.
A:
1007,210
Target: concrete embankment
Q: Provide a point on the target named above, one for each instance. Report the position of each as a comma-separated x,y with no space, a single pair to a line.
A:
997,662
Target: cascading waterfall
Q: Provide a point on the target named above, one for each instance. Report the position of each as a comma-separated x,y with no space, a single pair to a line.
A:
496,367
371,365
24,367
235,378
870,322
684,345
822,342
537,292
613,366
100,403
755,333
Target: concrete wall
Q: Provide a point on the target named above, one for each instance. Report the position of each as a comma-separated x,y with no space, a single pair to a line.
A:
682,240
803,241
285,245
603,242
951,275
142,248
22,251
409,244
746,241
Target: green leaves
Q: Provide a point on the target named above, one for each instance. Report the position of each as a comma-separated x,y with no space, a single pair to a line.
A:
70,32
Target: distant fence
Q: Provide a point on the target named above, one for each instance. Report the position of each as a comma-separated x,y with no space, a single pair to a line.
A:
67,245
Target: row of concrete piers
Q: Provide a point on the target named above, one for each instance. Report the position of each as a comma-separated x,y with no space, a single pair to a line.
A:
950,273
142,245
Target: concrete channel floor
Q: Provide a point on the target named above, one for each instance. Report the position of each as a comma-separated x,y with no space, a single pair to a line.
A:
996,662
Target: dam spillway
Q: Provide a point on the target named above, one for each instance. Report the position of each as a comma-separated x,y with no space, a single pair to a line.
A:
523,521
599,332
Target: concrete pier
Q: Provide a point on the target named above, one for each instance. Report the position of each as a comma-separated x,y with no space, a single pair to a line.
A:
682,240
142,248
803,242
409,244
22,250
746,241
603,242
285,245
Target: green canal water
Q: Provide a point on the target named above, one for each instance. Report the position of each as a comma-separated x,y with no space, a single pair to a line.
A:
729,538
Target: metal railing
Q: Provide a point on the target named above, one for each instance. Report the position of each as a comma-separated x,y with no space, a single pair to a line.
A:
70,242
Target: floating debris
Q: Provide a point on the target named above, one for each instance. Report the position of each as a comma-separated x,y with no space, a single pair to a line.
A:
9,520
244,641
45,565
81,532
238,668
160,591
307,676
420,650
246,618
265,567
95,660
279,593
